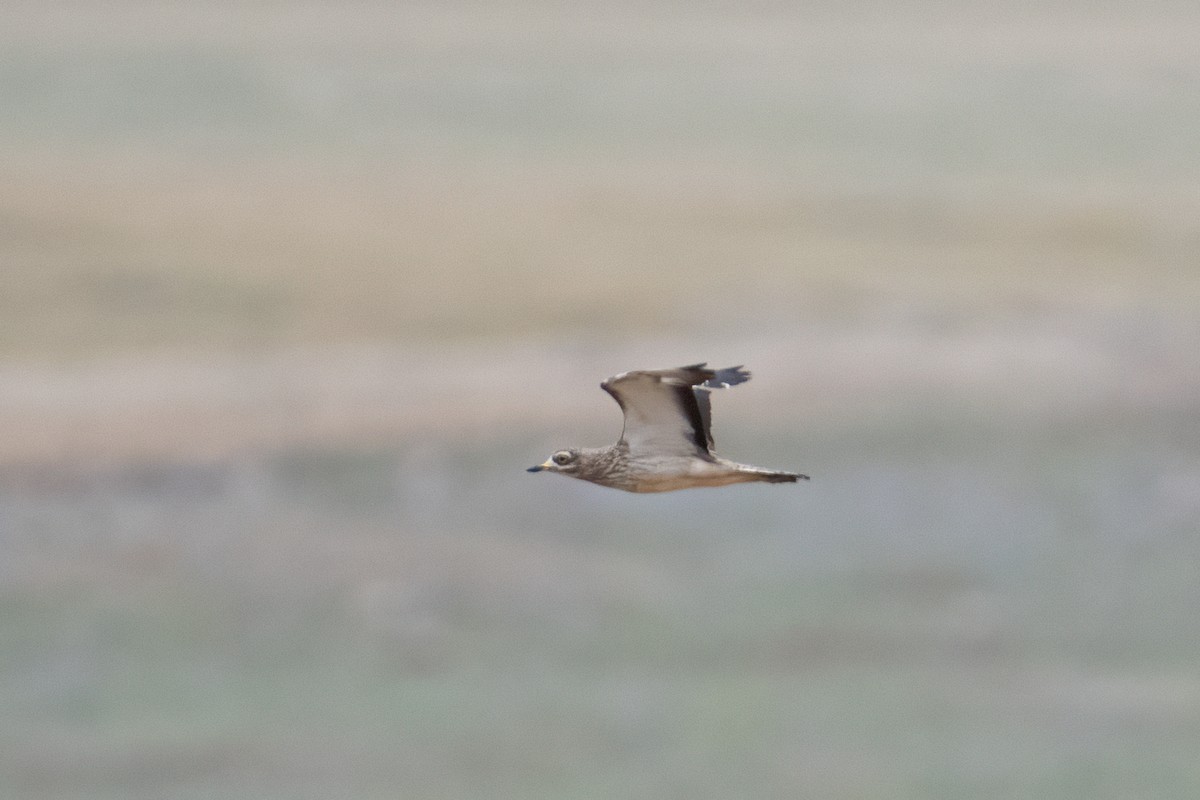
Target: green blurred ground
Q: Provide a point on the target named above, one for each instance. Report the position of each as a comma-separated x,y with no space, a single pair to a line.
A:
290,293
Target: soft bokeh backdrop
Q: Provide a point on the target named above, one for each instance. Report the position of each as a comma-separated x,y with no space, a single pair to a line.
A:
291,293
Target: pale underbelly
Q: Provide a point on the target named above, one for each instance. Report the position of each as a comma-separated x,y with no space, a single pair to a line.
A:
694,476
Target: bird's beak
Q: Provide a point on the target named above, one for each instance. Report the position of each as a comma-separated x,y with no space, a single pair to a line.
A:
540,467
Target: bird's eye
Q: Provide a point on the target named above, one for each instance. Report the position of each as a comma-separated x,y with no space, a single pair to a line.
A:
563,458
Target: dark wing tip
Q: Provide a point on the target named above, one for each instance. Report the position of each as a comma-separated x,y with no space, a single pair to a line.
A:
730,376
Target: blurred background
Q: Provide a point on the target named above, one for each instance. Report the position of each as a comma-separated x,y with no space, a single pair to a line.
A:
292,292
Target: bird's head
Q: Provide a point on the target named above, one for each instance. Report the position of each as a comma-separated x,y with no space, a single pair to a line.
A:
564,461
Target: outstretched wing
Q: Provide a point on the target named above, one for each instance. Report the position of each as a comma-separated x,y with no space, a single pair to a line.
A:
667,411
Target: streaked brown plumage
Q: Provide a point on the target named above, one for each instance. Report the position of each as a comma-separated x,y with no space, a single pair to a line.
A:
666,443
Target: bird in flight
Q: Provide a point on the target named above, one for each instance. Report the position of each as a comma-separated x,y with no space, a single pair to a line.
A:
666,443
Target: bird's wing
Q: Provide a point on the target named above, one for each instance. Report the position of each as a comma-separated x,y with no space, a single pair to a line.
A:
667,411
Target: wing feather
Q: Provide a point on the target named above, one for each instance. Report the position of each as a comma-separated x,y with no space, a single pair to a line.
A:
668,412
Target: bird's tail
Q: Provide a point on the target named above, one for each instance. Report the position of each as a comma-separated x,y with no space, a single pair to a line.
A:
772,476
